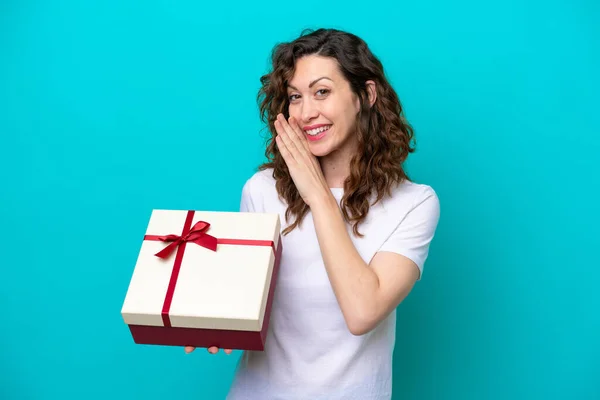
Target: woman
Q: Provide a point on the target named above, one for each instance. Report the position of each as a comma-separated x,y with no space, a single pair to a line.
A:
359,231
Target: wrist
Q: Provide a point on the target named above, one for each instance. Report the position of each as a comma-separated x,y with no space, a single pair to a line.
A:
324,202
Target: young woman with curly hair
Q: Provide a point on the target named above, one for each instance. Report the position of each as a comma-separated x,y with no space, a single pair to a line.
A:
358,230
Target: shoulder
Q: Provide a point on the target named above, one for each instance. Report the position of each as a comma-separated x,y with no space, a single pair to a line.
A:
411,201
259,193
259,182
412,195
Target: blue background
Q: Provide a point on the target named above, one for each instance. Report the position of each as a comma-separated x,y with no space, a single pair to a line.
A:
111,108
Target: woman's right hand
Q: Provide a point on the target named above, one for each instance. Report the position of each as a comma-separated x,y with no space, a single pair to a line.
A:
211,350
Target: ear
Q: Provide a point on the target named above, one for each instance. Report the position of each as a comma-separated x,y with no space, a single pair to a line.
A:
372,91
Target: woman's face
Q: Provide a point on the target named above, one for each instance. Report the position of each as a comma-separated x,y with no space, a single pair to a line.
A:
324,105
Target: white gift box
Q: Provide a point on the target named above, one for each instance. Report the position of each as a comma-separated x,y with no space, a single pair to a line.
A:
204,278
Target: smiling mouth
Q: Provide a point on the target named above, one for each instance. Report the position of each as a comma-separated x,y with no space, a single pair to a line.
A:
317,133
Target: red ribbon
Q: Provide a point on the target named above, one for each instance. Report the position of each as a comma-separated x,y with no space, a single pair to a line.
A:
196,234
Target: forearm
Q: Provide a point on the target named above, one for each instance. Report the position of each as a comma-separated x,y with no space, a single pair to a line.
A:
354,283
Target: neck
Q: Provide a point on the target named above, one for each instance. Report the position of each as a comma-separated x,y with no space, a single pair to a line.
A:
335,174
336,168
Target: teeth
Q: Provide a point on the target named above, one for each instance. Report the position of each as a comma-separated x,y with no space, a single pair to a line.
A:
313,132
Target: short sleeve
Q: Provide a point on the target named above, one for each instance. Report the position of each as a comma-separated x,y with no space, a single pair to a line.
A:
413,235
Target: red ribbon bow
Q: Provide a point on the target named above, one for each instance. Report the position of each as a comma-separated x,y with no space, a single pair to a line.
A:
196,235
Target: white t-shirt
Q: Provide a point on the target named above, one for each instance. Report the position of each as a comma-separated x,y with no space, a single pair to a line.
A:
310,354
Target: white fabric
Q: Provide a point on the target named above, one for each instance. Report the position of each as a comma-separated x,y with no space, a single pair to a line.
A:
310,353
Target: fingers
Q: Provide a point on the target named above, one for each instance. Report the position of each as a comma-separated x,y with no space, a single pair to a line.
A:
284,136
284,144
291,130
285,152
298,141
299,134
211,350
215,350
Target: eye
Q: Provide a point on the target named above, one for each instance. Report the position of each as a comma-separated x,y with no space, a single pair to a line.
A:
323,92
293,97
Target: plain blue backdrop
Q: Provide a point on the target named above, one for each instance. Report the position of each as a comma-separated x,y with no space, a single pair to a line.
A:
111,108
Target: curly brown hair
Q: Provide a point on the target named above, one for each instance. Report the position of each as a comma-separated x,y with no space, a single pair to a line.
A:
384,136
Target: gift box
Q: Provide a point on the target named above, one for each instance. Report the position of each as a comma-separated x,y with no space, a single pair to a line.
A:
204,279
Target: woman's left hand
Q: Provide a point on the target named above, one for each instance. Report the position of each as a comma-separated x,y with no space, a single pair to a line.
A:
304,167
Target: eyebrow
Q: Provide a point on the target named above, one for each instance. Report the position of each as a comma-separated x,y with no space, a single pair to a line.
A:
312,83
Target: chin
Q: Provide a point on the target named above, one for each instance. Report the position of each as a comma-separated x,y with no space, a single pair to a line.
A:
319,150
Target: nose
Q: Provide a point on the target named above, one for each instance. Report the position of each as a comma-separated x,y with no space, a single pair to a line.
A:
309,111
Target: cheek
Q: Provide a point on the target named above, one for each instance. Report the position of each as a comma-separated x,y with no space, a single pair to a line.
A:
341,116
341,112
332,112
294,111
